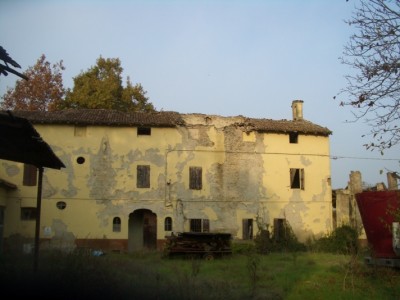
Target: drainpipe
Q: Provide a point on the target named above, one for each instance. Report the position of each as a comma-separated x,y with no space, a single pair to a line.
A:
38,213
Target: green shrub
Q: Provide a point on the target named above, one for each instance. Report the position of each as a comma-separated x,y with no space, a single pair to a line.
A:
243,247
343,240
285,241
263,243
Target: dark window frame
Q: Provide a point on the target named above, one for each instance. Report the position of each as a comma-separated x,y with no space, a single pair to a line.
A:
144,130
28,213
293,137
116,224
247,229
195,178
30,175
168,224
143,176
199,225
297,178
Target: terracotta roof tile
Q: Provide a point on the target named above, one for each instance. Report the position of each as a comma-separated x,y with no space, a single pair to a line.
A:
102,117
300,126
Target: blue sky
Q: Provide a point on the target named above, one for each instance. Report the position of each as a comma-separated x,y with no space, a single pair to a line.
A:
229,58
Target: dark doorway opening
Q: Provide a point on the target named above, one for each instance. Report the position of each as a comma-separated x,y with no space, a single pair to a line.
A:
142,230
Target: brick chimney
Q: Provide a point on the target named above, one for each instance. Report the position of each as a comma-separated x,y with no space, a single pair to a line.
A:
297,109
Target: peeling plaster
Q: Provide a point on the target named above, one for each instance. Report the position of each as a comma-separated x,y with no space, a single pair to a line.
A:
62,238
230,179
102,174
210,213
305,161
71,191
48,190
234,179
11,170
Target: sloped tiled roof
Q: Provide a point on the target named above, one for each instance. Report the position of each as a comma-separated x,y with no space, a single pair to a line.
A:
300,126
162,119
102,117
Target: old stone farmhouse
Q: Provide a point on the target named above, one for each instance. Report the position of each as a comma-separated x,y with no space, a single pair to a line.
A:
133,178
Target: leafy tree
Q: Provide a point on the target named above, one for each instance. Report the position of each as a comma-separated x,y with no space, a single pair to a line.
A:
43,91
101,87
373,52
135,97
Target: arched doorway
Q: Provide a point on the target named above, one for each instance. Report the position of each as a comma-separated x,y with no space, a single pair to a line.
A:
142,230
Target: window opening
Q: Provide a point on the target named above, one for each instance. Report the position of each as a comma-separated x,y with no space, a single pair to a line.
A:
144,131
61,205
199,225
143,177
293,137
247,229
117,224
297,179
195,178
28,213
168,224
30,175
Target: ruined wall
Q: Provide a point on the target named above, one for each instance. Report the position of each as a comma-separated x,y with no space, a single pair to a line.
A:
347,212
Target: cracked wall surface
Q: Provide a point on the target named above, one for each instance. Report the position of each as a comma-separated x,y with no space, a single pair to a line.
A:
245,175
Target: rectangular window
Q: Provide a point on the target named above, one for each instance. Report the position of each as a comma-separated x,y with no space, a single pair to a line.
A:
195,178
30,175
144,131
199,225
247,229
297,179
28,213
293,137
143,177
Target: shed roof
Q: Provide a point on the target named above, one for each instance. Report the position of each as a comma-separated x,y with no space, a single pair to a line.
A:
22,143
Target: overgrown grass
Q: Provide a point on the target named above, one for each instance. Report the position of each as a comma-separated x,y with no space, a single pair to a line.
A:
246,275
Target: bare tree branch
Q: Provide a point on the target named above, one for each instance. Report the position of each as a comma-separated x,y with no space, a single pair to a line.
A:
373,53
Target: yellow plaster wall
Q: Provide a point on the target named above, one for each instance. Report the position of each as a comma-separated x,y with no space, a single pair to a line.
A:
245,175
